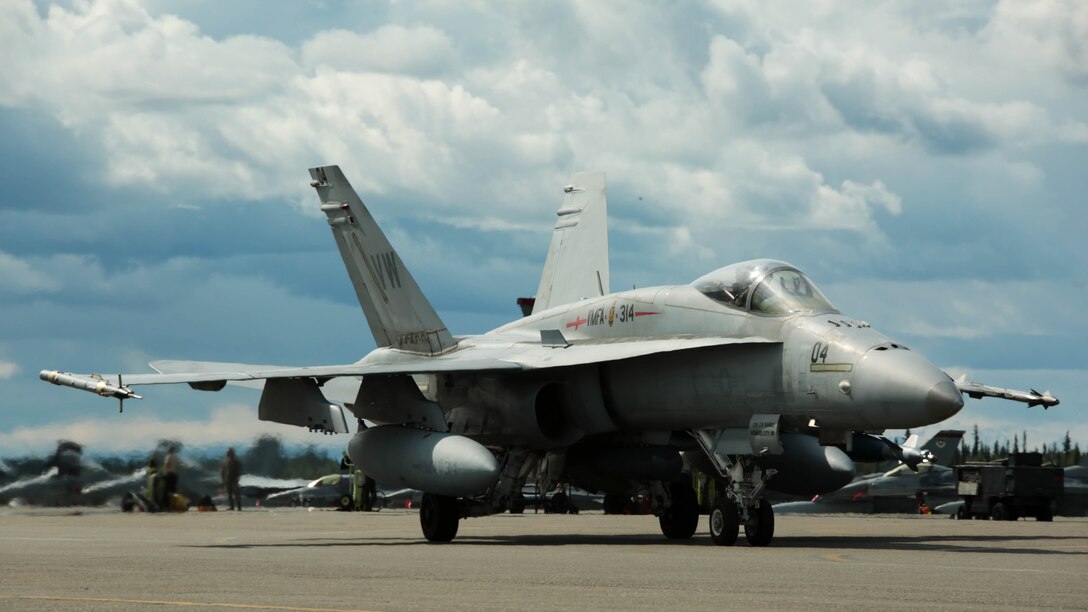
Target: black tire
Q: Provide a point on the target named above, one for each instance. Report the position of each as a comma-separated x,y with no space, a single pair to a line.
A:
344,503
961,513
759,528
439,517
999,512
724,523
681,520
1044,514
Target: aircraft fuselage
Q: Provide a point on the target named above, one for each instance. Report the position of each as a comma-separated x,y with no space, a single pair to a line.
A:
803,366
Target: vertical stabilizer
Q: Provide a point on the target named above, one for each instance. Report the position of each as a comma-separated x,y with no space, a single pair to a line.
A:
944,445
397,311
577,263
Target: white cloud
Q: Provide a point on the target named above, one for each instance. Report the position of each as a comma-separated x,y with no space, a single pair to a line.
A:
827,134
1045,34
18,276
241,116
964,309
8,369
420,50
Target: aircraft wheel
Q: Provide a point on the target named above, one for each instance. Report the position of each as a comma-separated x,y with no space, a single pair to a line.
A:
999,512
961,513
724,523
344,503
1045,514
681,520
759,528
439,517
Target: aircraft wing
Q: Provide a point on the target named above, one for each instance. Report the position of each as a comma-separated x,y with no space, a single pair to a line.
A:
173,372
1031,398
212,376
557,356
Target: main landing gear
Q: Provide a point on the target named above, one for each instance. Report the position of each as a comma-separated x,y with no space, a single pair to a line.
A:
740,499
681,518
759,527
724,522
439,517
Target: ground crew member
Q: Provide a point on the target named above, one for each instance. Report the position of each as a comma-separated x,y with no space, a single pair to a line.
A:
370,494
923,508
358,486
231,472
154,483
170,482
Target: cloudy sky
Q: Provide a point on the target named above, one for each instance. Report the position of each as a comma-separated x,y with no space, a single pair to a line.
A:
924,162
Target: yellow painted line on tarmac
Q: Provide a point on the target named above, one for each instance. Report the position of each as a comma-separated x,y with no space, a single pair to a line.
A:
156,602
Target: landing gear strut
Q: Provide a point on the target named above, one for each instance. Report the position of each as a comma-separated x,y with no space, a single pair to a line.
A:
743,483
439,516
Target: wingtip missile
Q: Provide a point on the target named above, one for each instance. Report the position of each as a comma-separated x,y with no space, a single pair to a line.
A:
1044,399
1031,398
93,384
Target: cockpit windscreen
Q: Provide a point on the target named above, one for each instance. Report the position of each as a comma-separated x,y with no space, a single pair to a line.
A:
763,286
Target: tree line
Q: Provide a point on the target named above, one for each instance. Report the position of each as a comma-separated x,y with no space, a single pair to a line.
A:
1061,454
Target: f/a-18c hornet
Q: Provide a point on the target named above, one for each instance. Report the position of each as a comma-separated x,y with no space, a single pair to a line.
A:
748,371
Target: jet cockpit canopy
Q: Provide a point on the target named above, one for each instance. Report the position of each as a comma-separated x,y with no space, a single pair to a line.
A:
763,286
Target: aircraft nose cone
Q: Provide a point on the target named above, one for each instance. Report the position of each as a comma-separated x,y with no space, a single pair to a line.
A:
897,388
944,400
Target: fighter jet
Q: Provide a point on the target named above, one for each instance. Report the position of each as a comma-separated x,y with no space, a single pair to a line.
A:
895,488
749,368
66,476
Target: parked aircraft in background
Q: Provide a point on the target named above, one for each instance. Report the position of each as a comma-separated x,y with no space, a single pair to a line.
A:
894,490
67,474
70,479
749,370
329,491
1074,501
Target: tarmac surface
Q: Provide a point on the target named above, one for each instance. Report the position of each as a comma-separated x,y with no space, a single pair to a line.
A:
98,559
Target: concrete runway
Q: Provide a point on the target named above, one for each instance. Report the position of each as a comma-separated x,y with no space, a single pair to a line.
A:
98,559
